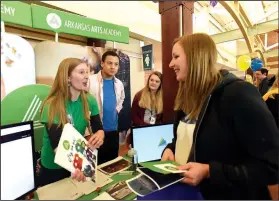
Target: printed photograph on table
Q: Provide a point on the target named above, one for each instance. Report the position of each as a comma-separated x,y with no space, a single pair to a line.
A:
73,153
115,166
119,190
142,185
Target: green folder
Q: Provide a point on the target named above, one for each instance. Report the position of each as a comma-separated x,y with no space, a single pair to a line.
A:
150,165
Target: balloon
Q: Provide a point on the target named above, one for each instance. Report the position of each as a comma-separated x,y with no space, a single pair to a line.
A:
213,3
243,62
256,64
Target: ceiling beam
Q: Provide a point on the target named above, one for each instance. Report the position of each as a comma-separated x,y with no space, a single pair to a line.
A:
266,54
236,34
235,15
272,46
198,7
249,24
272,53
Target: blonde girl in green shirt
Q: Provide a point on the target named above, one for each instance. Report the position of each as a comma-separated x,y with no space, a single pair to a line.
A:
68,102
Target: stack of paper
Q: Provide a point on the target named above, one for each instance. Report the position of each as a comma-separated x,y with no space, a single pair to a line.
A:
88,186
70,189
60,190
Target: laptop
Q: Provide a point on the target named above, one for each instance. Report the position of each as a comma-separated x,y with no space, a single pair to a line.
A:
150,141
17,161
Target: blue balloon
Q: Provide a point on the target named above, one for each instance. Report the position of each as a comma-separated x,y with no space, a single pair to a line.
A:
256,64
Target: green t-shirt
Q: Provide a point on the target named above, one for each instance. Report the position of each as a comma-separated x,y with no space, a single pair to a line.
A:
75,110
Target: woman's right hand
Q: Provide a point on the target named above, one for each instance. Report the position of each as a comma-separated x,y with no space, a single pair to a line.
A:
78,175
168,155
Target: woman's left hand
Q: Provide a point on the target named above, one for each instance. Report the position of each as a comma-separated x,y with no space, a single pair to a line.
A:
96,140
195,173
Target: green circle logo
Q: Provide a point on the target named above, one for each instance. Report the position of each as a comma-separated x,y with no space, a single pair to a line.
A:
66,144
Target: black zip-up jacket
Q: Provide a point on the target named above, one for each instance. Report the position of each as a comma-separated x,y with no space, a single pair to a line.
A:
263,86
237,136
273,105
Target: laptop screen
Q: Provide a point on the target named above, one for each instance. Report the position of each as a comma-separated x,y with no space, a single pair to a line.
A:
17,162
149,142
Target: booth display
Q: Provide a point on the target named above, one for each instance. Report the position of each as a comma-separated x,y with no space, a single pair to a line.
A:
17,59
22,105
23,89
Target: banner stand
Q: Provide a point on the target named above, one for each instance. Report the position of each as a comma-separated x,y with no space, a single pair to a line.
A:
56,37
2,27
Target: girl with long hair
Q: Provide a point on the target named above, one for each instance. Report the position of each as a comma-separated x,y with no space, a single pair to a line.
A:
67,102
225,136
147,106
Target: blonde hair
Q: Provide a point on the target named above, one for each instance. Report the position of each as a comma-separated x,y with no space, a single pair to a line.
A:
275,83
60,94
150,101
202,73
248,78
274,86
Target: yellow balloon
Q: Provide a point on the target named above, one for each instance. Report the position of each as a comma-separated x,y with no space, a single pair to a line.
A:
243,62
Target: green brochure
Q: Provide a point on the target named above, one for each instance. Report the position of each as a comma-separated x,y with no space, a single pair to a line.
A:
152,166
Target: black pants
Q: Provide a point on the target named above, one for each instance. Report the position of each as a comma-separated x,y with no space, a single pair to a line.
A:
109,150
48,176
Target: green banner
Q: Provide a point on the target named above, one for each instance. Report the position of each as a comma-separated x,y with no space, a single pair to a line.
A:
62,22
16,12
147,57
23,104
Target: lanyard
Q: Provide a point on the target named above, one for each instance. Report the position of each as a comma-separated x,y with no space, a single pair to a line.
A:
70,114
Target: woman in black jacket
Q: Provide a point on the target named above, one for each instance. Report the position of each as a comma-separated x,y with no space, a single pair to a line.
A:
224,134
272,100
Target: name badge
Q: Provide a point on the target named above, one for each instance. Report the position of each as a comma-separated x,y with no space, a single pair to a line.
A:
152,120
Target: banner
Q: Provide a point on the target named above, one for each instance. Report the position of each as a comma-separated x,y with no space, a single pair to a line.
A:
23,104
147,57
16,12
62,22
17,63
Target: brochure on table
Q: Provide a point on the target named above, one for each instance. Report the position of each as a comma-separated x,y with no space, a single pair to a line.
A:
69,189
150,181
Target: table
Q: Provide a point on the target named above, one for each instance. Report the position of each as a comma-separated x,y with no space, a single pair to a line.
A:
177,191
116,178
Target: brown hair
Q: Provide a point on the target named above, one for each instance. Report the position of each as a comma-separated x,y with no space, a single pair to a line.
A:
149,101
202,74
60,94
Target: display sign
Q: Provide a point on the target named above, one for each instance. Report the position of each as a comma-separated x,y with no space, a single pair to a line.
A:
62,22
24,104
16,12
147,57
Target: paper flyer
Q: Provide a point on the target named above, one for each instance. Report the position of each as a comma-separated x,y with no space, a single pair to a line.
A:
72,153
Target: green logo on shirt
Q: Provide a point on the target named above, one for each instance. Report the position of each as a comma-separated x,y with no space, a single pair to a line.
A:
66,144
